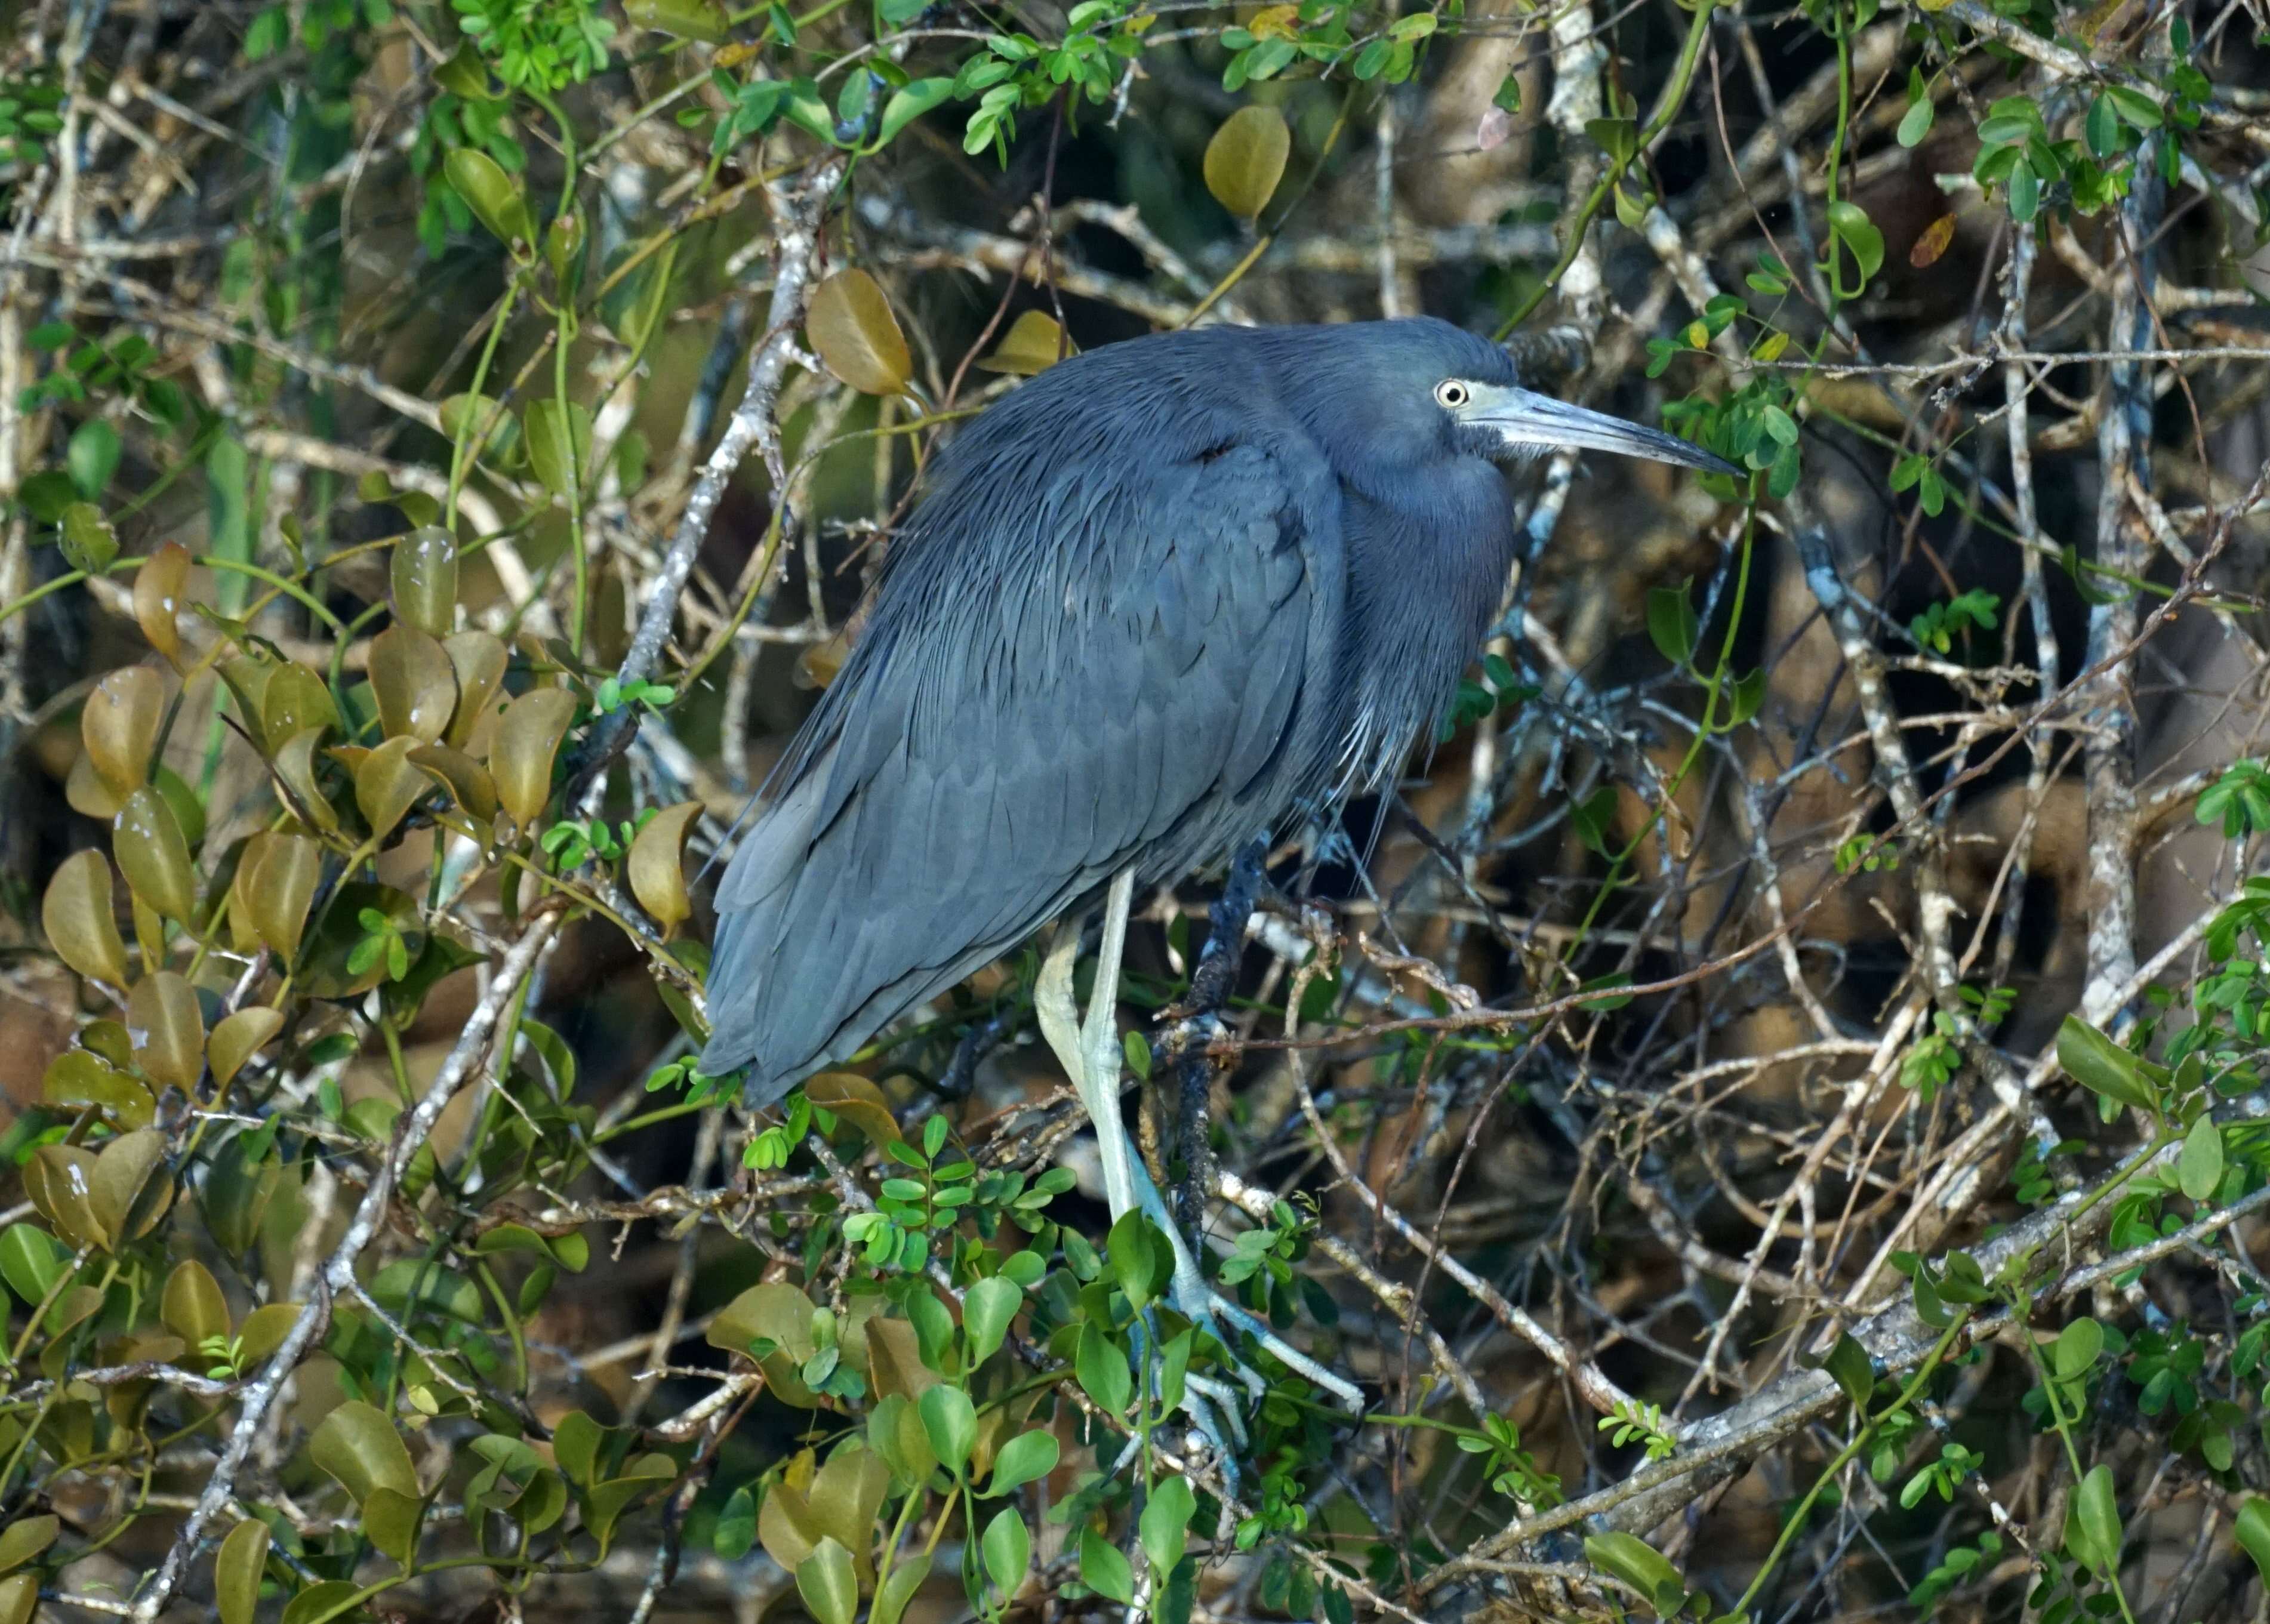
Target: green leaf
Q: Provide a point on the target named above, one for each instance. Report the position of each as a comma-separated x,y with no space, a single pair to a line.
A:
1671,622
1105,1570
1638,1564
1850,224
390,1519
1166,1522
906,1577
986,1309
92,457
1590,817
558,434
2025,194
89,543
2199,1169
2102,127
2092,1523
362,1447
1744,697
2252,1532
2076,1349
2102,1067
26,1537
1103,1371
1134,1255
1916,123
1025,1457
735,1529
2134,107
827,1583
31,1261
950,1422
495,197
1848,1364
910,104
1617,137
1008,1550
237,1570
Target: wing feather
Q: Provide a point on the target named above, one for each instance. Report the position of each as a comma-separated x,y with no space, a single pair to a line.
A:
995,750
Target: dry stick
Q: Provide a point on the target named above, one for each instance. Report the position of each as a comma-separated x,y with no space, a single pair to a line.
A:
340,1273
2108,763
2014,393
751,426
1599,1390
1894,1338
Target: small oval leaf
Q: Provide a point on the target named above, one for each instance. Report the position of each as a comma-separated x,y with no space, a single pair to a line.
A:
238,1038
237,1570
413,682
527,737
858,338
1246,158
160,587
495,196
1033,343
80,921
278,885
657,865
388,784
153,854
120,726
359,1446
192,1306
423,573
130,1187
168,1029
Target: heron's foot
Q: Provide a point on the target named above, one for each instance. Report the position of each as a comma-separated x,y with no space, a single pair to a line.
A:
1194,1297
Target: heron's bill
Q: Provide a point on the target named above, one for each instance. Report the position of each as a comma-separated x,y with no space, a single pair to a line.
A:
1526,421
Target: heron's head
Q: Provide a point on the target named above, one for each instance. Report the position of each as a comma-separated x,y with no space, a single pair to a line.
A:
1413,391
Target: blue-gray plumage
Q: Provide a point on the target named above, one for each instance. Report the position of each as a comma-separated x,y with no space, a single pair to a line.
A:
1155,601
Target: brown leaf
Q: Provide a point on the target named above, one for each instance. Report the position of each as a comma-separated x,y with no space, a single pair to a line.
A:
388,784
413,682
80,920
160,587
277,883
1031,345
657,865
168,1030
1246,158
293,700
1932,242
154,855
131,1186
238,1038
294,763
527,737
120,726
479,660
850,325
423,574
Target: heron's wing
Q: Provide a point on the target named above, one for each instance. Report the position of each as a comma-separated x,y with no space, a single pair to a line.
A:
1128,671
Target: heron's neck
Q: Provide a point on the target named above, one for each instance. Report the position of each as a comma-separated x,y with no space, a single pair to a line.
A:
1427,564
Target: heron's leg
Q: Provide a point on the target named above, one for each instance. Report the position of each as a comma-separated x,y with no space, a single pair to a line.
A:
1091,1054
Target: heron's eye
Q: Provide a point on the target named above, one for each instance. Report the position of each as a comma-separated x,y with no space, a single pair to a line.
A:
1452,394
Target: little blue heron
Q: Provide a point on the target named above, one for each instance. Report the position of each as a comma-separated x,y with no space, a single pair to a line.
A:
1161,599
